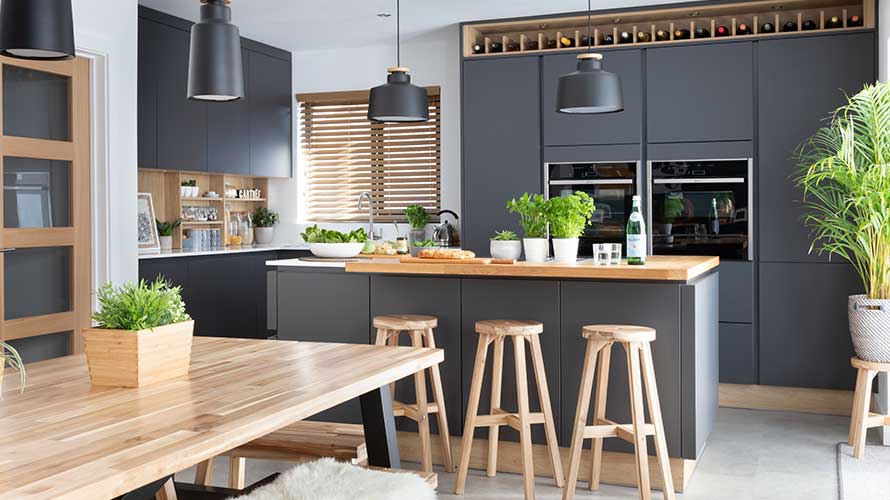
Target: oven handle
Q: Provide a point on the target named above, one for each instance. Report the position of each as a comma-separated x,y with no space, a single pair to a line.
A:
588,182
709,180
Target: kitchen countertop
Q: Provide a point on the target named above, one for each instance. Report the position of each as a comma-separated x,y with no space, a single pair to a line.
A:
220,251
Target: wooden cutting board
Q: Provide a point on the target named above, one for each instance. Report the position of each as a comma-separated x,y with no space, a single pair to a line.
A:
418,260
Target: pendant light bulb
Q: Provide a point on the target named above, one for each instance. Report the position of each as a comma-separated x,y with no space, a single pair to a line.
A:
215,70
37,29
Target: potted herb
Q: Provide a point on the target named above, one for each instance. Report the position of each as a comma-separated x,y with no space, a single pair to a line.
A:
418,218
568,216
845,178
672,208
165,232
9,356
189,189
143,335
264,220
506,245
532,217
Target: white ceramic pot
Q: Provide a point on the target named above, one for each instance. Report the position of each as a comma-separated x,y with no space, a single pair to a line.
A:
535,249
565,250
166,242
336,250
264,235
185,191
870,327
506,249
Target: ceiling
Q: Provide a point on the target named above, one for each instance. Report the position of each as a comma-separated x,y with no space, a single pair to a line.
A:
303,25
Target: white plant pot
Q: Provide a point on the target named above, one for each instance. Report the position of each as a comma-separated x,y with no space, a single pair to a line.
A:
166,242
506,249
264,235
535,249
565,250
870,327
185,191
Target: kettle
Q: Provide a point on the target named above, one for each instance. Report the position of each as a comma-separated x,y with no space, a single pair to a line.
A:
445,233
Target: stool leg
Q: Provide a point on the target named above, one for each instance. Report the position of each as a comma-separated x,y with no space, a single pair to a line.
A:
857,402
423,416
661,450
472,409
204,472
862,415
544,398
236,473
441,416
638,417
577,443
525,432
497,374
392,339
599,412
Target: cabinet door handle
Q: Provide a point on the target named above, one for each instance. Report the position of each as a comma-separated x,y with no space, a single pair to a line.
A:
5,250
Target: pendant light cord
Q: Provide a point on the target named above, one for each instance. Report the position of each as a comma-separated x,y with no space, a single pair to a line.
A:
399,35
589,40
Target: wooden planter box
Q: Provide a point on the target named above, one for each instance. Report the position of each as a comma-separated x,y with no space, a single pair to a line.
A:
123,358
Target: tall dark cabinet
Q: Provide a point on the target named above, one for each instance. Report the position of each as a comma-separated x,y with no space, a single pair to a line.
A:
270,116
228,129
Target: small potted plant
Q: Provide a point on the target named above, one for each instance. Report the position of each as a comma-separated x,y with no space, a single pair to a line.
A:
9,356
506,245
143,335
189,189
568,216
532,217
672,208
165,232
264,221
418,218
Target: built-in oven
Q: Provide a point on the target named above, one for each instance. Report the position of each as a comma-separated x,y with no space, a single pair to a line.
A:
612,186
701,207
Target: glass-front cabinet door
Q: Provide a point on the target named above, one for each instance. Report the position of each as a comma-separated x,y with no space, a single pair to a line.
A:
45,264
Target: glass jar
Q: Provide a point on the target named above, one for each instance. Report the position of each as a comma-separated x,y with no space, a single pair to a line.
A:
402,245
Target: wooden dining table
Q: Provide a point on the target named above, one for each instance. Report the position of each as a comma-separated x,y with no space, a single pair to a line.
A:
64,438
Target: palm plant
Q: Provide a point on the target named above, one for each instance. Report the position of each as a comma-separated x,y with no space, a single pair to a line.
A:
9,356
845,177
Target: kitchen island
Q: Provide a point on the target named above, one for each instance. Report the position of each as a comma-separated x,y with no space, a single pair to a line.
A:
678,296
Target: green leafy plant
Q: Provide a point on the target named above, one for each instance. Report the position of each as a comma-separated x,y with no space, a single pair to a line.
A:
140,306
189,183
505,236
263,217
673,208
315,234
845,177
166,228
568,215
10,357
417,216
424,243
532,217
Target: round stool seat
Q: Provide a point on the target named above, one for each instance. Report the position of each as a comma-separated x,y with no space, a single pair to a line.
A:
509,327
869,365
405,322
618,333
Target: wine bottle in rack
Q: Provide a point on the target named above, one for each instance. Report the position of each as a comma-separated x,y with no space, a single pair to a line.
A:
512,46
625,37
551,44
644,37
566,42
743,29
702,32
496,47
854,21
809,25
681,34
532,45
478,48
789,26
608,39
662,35
767,28
722,31
833,22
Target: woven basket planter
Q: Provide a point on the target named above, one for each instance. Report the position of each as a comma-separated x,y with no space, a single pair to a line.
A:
870,327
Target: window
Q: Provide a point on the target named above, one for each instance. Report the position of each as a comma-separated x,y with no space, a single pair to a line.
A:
344,154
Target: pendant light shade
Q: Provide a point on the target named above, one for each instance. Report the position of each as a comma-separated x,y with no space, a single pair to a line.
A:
398,100
37,29
215,72
590,89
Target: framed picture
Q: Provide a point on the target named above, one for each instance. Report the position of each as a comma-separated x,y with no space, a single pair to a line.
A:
146,228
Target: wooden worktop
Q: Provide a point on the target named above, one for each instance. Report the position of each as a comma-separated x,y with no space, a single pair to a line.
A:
657,268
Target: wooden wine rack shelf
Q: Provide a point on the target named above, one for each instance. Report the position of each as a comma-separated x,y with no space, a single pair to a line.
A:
526,32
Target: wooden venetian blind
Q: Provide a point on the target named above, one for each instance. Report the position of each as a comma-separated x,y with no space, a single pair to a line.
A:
345,154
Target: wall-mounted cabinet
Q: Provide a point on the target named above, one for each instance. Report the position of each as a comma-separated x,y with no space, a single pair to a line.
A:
229,135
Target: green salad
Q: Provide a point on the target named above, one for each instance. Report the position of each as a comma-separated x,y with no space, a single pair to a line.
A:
424,244
315,234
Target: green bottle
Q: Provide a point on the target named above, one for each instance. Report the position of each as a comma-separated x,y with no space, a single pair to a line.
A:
636,235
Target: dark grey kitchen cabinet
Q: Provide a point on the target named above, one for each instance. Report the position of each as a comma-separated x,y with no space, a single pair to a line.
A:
439,297
736,292
147,94
501,144
798,89
174,271
270,116
228,130
738,352
512,299
611,128
804,334
700,93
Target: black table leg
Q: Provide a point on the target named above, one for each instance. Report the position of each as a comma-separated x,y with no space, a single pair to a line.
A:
146,492
380,428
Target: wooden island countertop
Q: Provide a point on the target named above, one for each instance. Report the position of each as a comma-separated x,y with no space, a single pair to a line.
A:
657,268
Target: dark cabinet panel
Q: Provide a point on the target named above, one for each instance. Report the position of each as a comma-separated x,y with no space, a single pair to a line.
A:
501,144
147,93
738,353
228,131
270,116
804,333
700,93
512,299
797,91
737,292
223,301
611,128
439,297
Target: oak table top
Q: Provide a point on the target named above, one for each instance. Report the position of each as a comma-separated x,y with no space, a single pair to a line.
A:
65,438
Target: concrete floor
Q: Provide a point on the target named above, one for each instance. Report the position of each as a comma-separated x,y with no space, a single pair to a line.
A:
750,455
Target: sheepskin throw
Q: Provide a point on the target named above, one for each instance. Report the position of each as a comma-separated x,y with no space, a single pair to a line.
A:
327,479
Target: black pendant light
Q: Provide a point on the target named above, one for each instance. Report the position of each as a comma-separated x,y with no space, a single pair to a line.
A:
37,29
589,89
398,100
215,59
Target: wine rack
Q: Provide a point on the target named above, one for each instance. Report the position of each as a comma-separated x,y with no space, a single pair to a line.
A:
640,27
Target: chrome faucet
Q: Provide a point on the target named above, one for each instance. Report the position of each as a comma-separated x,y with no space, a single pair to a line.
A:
361,198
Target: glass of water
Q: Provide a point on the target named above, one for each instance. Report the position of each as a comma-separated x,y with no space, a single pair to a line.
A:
614,253
600,254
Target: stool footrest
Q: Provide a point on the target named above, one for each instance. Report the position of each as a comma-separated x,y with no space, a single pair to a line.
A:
510,419
877,420
605,428
407,410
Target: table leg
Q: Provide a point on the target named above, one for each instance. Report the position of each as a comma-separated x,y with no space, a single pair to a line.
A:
148,491
380,428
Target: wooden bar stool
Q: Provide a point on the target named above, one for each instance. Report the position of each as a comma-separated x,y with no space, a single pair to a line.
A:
636,342
420,330
862,418
496,331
